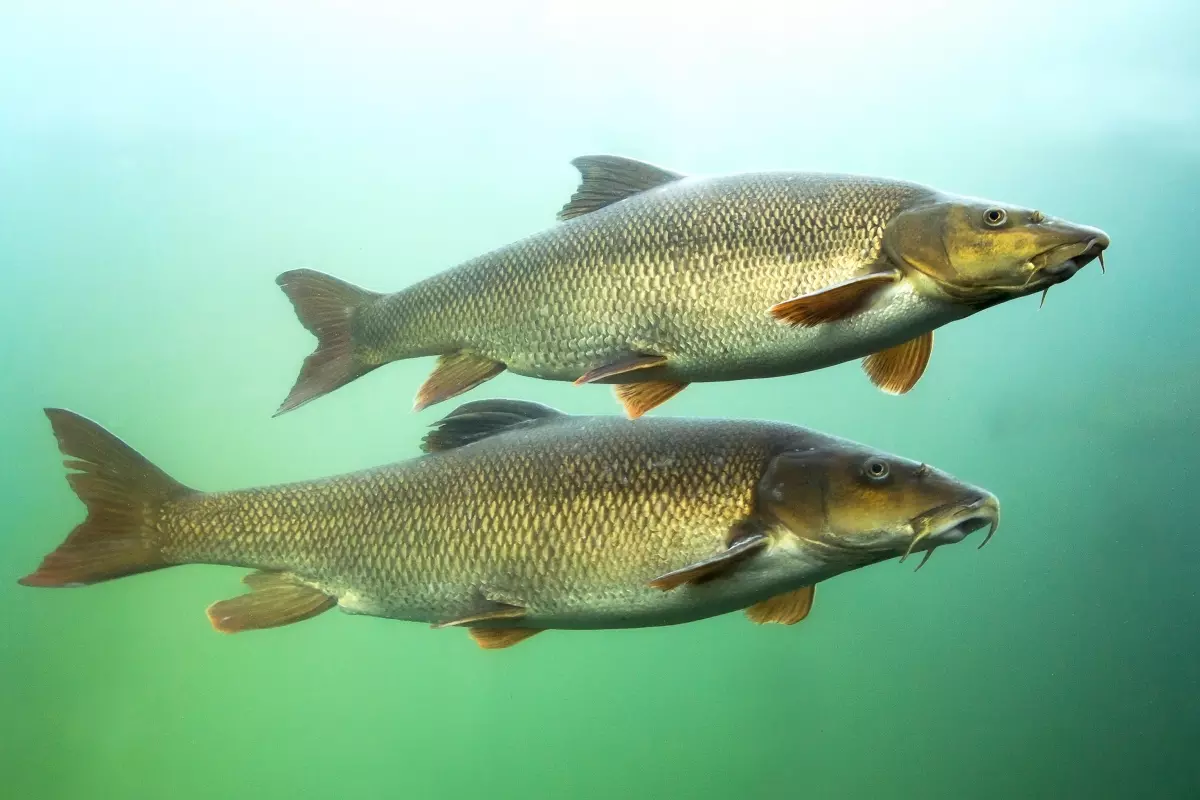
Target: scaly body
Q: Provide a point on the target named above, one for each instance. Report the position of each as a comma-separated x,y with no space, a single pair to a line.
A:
518,517
687,270
654,280
570,519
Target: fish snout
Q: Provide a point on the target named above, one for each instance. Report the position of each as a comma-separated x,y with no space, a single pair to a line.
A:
984,511
1084,246
1093,248
952,523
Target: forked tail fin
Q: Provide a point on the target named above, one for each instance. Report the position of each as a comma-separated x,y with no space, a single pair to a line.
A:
124,494
325,306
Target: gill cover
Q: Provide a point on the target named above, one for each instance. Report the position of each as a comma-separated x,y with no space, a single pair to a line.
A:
821,495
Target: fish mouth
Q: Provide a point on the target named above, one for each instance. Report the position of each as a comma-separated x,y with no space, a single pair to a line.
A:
1050,267
951,523
1055,265
1061,262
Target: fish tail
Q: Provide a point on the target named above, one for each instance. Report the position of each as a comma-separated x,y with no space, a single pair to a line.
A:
326,307
124,494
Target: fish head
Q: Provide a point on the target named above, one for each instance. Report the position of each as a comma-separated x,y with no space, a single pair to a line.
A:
860,506
981,253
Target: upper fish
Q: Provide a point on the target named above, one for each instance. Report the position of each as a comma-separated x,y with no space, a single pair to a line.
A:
654,280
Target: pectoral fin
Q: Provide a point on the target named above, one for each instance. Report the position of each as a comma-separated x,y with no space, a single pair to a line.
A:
497,638
786,609
897,369
454,374
835,303
275,598
709,568
638,398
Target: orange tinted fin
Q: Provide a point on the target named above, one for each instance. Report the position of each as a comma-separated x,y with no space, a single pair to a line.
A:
834,303
897,369
122,492
608,179
711,567
497,638
629,363
275,598
325,306
454,374
786,609
638,398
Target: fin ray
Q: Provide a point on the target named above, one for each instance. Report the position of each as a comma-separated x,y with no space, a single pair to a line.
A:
503,612
274,599
480,419
607,179
897,369
711,567
499,638
122,492
834,303
628,363
455,374
785,609
638,398
325,306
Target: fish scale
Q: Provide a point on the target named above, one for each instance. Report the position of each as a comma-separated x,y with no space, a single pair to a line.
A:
688,270
569,526
519,518
653,281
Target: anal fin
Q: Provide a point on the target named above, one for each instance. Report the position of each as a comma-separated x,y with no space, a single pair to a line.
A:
897,369
709,568
835,303
786,609
498,638
275,599
454,374
638,398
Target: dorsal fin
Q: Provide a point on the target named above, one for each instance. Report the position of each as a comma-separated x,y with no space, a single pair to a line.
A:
480,419
607,179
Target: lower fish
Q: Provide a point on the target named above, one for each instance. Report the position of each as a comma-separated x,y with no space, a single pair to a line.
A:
518,518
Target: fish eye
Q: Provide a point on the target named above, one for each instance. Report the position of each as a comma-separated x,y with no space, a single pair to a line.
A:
995,216
876,469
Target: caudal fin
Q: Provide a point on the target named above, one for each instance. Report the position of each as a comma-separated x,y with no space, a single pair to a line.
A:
325,306
124,494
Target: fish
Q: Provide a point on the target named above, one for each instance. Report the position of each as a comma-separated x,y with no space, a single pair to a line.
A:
652,280
517,518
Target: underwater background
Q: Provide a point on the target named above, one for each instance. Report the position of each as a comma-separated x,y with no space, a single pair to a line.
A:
161,163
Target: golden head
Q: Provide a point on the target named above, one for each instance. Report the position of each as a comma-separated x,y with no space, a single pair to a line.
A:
864,506
982,253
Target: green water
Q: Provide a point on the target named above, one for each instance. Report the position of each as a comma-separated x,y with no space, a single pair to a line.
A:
159,166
